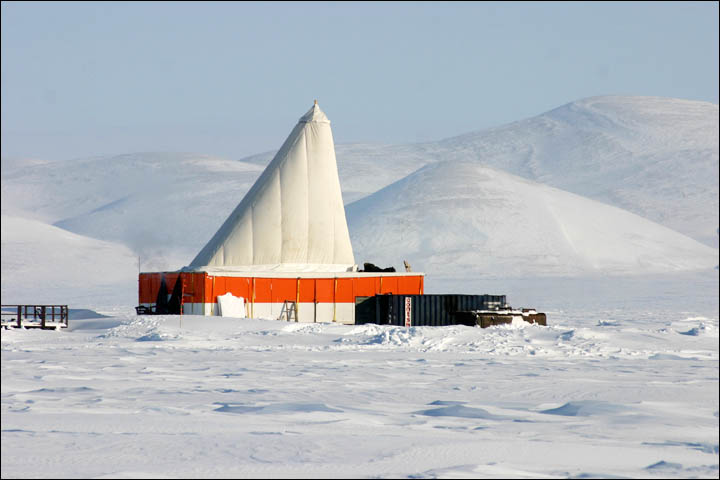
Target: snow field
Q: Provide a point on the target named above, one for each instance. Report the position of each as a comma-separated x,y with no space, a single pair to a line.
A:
613,393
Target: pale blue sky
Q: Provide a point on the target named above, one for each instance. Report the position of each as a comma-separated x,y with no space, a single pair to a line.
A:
231,79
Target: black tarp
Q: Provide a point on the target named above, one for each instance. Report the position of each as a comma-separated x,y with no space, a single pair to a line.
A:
161,302
175,298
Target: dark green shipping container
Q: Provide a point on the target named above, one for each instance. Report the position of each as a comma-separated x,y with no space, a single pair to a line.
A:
421,310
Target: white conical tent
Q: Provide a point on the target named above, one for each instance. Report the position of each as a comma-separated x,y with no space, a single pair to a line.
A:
293,217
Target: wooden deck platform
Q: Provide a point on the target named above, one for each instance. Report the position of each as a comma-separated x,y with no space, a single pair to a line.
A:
34,316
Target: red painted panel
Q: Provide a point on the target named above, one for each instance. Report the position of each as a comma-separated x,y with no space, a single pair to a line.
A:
307,290
170,279
238,286
389,285
365,286
218,288
209,289
283,289
149,285
143,287
324,290
194,287
263,289
345,291
409,285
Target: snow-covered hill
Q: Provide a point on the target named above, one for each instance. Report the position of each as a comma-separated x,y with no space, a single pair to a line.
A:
42,264
164,206
494,223
655,157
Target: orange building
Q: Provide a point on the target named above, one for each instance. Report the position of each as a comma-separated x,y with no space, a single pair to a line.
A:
319,297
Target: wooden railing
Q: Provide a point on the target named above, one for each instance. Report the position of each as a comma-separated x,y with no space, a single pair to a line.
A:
35,316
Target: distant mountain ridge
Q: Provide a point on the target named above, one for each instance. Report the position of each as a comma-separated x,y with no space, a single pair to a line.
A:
654,157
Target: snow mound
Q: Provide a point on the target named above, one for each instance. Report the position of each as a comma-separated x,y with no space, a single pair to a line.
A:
460,411
585,408
278,408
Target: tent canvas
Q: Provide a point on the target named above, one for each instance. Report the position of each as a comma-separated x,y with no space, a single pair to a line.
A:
293,217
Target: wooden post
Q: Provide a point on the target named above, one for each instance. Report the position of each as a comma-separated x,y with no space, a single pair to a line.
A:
42,316
214,300
252,303
19,321
335,301
297,301
182,294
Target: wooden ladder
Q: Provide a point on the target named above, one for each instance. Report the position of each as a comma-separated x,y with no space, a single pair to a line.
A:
289,311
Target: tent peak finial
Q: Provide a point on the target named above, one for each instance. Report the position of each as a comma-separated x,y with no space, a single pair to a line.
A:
314,115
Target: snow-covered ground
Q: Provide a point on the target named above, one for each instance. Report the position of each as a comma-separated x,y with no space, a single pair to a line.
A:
623,382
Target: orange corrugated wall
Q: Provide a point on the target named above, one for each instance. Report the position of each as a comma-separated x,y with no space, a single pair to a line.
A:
203,288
